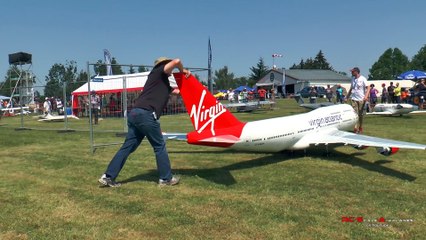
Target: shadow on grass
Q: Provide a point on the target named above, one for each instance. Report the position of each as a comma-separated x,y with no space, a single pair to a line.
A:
220,175
376,166
223,176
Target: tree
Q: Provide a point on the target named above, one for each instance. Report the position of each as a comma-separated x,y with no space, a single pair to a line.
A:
142,69
10,80
59,75
100,68
419,60
390,64
319,62
257,72
223,78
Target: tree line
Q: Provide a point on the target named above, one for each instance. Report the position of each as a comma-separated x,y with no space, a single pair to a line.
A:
388,66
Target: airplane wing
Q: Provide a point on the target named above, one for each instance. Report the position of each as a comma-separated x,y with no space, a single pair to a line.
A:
335,136
247,104
380,113
174,136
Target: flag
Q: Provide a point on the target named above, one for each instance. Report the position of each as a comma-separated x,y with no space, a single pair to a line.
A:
276,55
107,57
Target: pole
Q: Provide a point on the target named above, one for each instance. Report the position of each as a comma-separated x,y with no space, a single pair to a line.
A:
92,147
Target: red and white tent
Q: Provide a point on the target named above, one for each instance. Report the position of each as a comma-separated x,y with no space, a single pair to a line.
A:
114,84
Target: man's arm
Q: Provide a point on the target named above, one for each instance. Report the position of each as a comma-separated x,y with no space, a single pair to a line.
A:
176,63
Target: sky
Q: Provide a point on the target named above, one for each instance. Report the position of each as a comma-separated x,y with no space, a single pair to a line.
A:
349,33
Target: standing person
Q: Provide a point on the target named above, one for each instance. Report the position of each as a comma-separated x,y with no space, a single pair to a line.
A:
358,93
373,97
339,94
397,93
95,101
143,121
384,98
328,93
47,106
391,93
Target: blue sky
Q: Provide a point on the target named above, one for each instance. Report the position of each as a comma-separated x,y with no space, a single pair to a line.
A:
350,33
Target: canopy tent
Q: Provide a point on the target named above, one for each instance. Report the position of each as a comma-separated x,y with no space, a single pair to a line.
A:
241,88
114,84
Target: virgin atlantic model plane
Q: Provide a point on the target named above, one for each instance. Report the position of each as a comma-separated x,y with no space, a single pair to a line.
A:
215,126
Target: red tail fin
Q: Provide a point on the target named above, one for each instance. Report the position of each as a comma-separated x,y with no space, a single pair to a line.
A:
209,117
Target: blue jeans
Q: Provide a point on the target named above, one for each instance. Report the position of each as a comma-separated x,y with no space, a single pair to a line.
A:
142,123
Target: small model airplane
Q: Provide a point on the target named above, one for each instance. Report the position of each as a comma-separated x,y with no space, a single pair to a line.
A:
52,118
215,126
394,109
243,106
302,103
15,110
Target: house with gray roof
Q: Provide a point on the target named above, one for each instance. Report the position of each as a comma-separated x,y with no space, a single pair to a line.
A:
296,79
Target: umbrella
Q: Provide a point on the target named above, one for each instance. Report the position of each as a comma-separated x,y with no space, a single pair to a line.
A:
412,75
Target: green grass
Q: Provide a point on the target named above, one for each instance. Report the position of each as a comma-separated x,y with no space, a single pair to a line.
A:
49,189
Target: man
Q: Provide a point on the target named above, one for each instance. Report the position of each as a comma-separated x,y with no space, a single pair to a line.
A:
143,122
95,102
358,93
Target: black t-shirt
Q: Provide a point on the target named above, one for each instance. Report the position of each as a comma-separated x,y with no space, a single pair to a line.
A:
156,91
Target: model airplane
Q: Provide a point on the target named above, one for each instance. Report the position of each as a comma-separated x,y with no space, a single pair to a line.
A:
11,110
394,109
215,126
302,103
247,106
52,118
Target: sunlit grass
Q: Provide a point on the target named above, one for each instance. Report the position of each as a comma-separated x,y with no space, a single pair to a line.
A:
49,189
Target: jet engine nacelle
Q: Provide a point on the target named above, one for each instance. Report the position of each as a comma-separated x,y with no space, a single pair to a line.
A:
387,151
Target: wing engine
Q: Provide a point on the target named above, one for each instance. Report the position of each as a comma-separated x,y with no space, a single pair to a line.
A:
387,151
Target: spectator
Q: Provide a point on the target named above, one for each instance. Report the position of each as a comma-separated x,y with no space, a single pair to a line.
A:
47,106
95,101
385,95
339,94
262,94
328,93
397,93
391,93
373,97
313,95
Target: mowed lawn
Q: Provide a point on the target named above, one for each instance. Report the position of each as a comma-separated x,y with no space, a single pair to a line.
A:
49,189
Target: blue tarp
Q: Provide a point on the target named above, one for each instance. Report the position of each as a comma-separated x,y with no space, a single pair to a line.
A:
241,88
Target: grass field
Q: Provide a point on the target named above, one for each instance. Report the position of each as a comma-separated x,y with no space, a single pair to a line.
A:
49,189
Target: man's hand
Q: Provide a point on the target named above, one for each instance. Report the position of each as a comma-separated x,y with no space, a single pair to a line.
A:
186,72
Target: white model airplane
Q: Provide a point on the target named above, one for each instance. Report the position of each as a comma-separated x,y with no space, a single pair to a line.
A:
12,110
247,106
52,118
394,109
302,103
215,126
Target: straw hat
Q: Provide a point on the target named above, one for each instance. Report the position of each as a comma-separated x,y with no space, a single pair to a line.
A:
160,60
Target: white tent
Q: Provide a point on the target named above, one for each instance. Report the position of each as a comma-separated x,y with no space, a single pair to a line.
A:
116,83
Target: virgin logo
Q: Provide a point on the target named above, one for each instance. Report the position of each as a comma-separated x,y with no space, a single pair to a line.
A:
202,116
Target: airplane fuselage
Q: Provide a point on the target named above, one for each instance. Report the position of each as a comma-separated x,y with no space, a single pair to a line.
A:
394,108
285,133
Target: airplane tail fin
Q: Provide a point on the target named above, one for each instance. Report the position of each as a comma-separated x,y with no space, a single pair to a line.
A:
214,125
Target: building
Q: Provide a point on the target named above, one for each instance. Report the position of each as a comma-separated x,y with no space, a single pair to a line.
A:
297,79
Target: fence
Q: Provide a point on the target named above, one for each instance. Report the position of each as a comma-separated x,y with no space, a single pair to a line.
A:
103,120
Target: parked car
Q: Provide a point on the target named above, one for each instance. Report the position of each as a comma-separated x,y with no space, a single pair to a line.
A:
305,92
